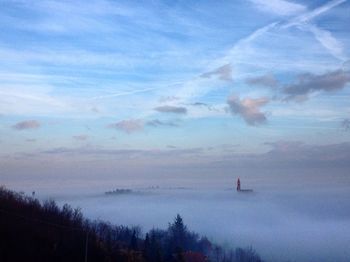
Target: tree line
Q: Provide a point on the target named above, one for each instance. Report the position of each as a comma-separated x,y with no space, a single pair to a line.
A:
35,231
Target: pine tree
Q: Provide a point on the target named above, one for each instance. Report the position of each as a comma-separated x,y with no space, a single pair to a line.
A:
133,241
146,248
178,235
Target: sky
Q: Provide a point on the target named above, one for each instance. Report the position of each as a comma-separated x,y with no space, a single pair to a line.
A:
173,86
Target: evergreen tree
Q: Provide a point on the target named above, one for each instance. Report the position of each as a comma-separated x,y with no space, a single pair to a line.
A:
133,241
155,248
177,235
146,248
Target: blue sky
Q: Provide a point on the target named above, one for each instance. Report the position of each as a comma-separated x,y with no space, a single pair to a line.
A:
176,82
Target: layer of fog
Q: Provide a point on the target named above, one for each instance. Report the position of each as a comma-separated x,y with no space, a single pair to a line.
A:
289,217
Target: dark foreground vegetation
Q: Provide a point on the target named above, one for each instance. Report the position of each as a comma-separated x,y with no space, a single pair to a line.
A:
34,231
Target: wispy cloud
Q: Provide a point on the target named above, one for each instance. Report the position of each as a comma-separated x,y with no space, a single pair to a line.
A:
308,16
80,137
29,124
279,7
346,65
30,101
248,109
128,126
223,73
160,123
89,151
199,104
284,153
165,99
285,146
267,80
84,16
171,109
327,40
205,105
325,37
126,154
292,152
125,93
309,83
345,124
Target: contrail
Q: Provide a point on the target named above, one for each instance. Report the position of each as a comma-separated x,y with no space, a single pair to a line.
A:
125,93
192,87
312,14
323,36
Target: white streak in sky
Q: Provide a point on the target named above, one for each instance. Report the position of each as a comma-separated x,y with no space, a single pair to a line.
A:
306,17
279,7
326,39
194,87
125,93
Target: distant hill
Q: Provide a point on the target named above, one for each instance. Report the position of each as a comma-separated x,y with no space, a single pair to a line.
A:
34,231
